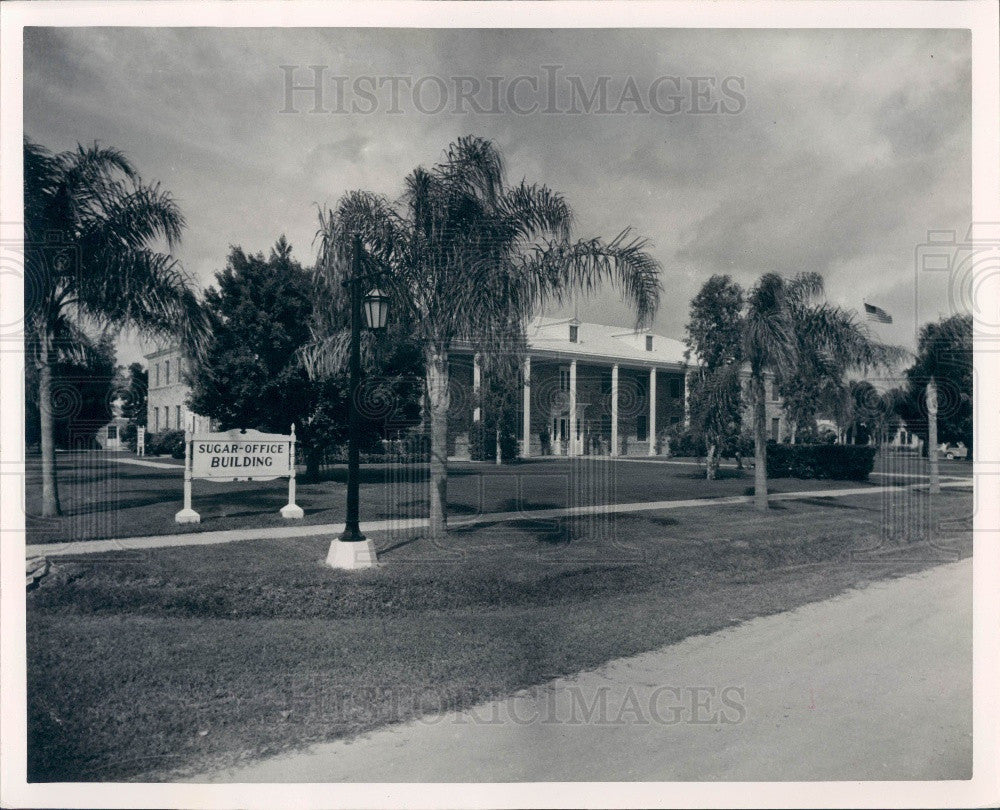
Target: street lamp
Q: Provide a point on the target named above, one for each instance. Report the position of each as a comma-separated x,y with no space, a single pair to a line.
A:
352,550
376,309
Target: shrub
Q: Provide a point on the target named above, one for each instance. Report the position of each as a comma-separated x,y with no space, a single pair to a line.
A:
844,462
166,443
483,443
686,442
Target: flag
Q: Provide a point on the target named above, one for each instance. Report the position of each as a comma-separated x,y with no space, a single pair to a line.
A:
874,313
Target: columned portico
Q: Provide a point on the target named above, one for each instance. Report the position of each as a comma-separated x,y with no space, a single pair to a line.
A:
587,390
614,410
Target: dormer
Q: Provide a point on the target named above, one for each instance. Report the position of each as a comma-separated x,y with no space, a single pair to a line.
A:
574,331
649,343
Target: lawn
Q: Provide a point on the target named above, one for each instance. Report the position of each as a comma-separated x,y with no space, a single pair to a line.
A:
148,665
106,499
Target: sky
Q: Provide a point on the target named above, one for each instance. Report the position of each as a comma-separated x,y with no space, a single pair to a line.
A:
827,151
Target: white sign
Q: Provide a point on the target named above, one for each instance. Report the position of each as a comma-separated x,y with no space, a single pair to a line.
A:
239,455
245,457
140,440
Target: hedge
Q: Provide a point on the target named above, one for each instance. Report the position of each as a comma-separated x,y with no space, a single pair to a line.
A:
846,462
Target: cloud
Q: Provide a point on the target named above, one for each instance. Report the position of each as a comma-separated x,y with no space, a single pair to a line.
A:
852,143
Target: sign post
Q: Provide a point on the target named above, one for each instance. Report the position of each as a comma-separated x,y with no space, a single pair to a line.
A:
291,509
187,514
140,440
238,455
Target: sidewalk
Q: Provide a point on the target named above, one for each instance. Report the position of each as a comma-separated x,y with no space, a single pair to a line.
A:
872,684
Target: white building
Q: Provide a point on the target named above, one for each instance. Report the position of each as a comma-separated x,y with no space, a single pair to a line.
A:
587,389
168,392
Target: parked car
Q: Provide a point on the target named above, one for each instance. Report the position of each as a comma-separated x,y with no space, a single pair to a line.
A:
954,450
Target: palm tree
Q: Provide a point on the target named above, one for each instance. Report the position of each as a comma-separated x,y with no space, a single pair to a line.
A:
786,327
471,258
715,409
91,227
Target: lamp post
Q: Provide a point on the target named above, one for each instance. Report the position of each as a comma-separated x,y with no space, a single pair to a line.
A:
352,550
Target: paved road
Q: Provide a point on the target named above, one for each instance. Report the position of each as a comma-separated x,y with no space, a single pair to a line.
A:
874,684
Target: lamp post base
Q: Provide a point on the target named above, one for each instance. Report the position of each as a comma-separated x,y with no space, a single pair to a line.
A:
351,556
292,511
187,516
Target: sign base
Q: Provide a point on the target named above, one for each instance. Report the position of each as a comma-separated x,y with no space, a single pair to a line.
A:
187,516
352,556
292,510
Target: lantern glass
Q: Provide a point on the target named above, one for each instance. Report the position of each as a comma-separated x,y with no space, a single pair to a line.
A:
376,309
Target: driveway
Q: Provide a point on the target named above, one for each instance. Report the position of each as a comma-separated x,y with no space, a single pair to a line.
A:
873,684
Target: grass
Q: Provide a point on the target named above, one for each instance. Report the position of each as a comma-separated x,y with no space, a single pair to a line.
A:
147,665
105,499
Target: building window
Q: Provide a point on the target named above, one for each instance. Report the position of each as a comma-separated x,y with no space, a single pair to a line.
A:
649,343
179,425
574,332
156,415
167,371
112,433
641,428
564,378
776,429
157,374
166,417
775,396
675,388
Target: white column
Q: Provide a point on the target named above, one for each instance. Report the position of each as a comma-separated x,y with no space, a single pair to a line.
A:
614,410
652,411
572,449
476,414
526,416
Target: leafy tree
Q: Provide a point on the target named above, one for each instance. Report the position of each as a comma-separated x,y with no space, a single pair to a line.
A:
259,310
944,355
470,258
715,408
134,391
93,231
714,338
713,331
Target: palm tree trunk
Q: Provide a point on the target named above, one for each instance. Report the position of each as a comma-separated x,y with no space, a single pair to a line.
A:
50,488
759,449
795,429
438,401
710,462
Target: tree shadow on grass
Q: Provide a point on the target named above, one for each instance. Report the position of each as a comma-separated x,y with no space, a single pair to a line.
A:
835,503
722,474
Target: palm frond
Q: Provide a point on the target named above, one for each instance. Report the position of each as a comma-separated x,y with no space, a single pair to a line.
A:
556,269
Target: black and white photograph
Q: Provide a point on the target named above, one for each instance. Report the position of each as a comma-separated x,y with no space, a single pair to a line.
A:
500,404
